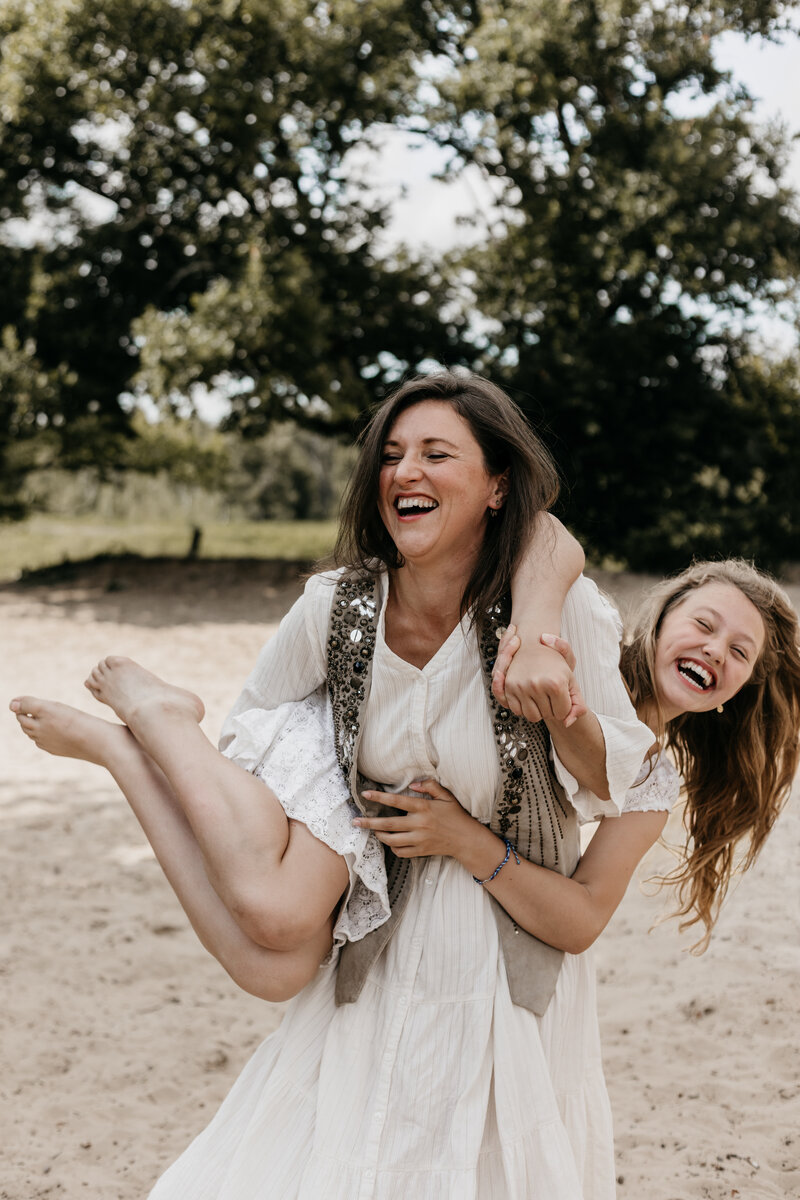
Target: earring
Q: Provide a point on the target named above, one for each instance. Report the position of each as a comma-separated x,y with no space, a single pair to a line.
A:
493,512
720,708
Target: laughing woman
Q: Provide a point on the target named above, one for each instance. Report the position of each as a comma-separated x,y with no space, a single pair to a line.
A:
449,1052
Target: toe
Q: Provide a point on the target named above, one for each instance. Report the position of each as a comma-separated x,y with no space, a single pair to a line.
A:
25,705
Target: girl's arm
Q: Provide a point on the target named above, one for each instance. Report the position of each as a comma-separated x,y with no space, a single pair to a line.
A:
568,913
537,685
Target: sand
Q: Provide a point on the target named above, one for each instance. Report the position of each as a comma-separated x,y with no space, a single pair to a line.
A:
120,1035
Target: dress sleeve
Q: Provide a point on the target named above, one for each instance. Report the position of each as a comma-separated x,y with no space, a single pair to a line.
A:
656,788
592,627
293,663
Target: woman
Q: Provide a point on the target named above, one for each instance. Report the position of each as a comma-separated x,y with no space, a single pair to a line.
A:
463,1056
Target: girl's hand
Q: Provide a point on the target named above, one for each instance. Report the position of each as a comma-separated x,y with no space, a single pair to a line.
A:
535,683
434,824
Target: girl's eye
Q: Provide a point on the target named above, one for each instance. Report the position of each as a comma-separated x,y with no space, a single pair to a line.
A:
703,624
389,458
740,652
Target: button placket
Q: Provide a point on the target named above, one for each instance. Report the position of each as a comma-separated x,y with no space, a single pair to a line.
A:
403,1002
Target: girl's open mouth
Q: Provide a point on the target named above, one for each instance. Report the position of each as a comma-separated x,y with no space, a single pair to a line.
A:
696,674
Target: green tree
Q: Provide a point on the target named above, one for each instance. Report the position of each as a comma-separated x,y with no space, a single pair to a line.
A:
641,225
184,168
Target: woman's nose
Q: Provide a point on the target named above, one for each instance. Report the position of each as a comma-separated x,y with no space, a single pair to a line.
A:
407,469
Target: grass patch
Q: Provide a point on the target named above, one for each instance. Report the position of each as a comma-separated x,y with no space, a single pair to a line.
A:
45,541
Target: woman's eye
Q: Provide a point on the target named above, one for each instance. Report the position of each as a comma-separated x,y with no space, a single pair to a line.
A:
703,624
389,458
436,454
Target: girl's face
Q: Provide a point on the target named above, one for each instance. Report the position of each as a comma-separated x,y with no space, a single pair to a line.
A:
707,648
434,489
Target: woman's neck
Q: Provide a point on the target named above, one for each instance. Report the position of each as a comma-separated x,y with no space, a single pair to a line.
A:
432,594
422,610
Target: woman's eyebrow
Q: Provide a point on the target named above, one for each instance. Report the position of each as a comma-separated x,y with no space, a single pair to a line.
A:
425,442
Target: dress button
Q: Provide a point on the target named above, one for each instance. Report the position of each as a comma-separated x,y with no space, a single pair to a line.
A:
429,880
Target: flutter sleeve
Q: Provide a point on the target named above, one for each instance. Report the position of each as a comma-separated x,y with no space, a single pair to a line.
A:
656,788
592,626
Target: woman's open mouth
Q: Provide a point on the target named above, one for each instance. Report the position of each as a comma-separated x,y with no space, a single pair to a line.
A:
414,506
696,674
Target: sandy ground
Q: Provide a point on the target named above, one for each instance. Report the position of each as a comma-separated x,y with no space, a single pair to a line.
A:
120,1035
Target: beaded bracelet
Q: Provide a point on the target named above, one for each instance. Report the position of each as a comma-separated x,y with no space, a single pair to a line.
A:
509,851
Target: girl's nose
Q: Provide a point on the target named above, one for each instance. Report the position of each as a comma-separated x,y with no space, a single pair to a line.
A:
714,651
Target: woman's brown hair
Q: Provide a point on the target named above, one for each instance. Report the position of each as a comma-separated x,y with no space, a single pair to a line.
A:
738,765
508,445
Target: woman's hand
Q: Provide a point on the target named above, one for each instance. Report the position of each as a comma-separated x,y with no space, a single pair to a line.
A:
538,681
434,824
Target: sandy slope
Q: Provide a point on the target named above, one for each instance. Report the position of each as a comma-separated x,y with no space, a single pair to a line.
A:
120,1035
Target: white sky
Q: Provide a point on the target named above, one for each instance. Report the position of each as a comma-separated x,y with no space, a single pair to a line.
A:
426,214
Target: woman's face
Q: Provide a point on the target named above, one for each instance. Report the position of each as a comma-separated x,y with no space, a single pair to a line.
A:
434,488
707,648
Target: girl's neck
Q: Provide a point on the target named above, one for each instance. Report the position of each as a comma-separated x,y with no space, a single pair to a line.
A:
649,714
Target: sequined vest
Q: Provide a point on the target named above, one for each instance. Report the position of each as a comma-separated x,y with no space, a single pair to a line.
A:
529,809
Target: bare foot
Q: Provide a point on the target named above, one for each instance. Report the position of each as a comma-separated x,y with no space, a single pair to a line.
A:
137,696
66,731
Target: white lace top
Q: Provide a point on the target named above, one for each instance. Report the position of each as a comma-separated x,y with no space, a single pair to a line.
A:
655,790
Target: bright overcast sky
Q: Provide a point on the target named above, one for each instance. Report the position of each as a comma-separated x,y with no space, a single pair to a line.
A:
426,214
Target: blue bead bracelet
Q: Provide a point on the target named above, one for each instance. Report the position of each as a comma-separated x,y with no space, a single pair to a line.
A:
509,851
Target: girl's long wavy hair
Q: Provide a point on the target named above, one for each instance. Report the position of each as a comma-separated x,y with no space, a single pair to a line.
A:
738,765
508,445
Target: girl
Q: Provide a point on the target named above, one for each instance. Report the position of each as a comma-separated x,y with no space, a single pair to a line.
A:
713,667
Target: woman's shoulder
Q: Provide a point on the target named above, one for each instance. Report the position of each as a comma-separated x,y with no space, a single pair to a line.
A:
322,587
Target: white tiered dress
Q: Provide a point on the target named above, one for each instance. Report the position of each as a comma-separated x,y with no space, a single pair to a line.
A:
433,1085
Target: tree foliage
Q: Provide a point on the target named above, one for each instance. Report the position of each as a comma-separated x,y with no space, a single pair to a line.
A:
222,235
179,210
644,225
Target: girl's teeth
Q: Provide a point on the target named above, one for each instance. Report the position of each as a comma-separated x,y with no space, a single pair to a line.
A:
696,673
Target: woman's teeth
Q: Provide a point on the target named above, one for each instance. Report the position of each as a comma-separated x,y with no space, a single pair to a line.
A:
696,674
414,504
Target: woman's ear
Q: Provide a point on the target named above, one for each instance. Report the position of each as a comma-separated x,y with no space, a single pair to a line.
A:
501,490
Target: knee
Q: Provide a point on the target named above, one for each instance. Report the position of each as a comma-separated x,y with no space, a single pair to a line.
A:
273,976
274,923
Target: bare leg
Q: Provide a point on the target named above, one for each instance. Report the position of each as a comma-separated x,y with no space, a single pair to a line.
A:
279,882
62,730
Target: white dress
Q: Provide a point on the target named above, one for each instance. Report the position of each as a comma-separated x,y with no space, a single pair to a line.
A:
433,1085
